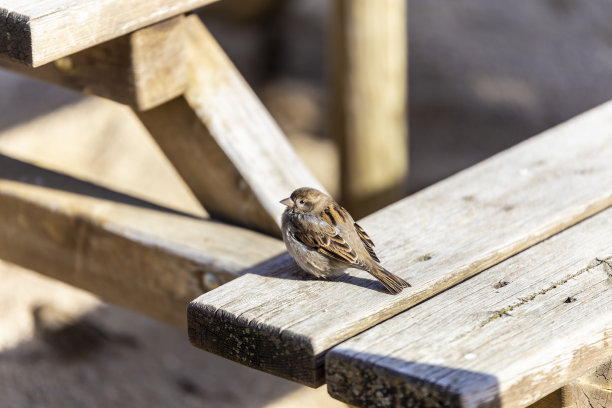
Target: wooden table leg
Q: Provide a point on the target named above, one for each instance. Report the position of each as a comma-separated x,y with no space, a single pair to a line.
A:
369,100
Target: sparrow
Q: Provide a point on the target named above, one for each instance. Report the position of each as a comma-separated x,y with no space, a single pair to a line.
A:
324,239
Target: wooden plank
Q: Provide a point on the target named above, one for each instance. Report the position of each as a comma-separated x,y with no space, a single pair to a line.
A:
369,101
224,143
504,338
149,260
38,32
143,69
206,169
271,320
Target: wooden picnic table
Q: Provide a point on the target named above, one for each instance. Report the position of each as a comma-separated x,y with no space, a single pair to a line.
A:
509,260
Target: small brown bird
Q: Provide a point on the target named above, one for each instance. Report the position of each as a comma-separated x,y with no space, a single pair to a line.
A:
324,239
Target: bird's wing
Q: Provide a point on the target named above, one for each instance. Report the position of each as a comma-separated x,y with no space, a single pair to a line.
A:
367,241
317,234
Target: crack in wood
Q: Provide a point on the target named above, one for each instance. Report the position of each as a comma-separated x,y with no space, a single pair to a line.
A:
607,262
607,265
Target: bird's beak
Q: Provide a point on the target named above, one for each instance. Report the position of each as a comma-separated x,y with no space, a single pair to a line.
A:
288,202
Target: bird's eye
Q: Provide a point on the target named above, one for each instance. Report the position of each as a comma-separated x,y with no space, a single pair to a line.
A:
301,201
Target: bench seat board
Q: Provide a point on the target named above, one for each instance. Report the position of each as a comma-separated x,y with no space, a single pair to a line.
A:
127,251
273,320
506,337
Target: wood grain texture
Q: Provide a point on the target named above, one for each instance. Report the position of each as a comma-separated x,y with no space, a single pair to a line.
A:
504,338
369,101
143,69
224,143
206,169
38,32
581,394
271,320
593,390
552,400
146,259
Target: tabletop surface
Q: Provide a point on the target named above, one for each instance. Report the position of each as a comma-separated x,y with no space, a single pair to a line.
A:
39,31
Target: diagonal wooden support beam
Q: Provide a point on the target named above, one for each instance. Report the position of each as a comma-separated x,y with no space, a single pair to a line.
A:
434,239
127,251
224,143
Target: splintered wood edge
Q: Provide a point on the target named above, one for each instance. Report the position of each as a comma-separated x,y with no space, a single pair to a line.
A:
296,356
51,32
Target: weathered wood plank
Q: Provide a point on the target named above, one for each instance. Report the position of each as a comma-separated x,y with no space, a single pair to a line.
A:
369,101
148,260
270,320
504,338
38,32
143,69
224,143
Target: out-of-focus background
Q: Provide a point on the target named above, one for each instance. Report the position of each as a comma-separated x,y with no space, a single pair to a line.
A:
483,76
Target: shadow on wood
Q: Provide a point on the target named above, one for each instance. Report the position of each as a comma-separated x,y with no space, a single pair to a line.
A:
27,173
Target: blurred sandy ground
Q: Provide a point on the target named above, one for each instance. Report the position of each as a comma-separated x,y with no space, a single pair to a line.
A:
484,75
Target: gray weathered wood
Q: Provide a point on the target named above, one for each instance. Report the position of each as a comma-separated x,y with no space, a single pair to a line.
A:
145,259
223,141
40,31
143,69
272,320
504,338
369,101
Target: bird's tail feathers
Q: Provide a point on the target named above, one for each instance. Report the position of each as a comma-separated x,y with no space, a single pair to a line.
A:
393,283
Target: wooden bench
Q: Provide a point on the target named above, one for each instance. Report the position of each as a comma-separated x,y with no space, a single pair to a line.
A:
208,122
435,239
509,336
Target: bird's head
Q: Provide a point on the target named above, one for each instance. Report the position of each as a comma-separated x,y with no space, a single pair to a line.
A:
306,200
